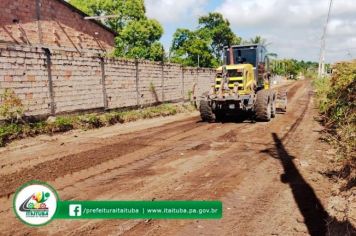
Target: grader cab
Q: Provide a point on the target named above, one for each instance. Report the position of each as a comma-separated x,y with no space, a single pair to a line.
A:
242,86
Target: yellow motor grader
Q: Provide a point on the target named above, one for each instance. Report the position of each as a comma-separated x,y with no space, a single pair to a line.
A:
243,87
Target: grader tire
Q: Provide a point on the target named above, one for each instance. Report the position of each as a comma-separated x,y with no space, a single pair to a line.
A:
206,113
219,116
263,108
273,104
282,96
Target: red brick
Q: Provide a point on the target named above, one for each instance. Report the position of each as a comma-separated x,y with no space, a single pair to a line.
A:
56,19
68,75
31,78
29,96
9,78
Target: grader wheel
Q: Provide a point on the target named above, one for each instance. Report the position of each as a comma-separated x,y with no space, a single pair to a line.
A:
206,113
263,107
273,104
282,101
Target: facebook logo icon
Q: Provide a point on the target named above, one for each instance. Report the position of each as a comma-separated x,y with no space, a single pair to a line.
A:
75,210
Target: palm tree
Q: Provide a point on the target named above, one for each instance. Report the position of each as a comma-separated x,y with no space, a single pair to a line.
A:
258,40
272,54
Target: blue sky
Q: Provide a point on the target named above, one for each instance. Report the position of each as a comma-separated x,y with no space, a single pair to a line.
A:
293,27
188,20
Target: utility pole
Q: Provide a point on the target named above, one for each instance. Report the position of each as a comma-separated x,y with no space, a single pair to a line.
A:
321,70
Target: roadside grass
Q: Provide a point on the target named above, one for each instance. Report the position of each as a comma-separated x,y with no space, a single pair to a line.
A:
336,100
10,131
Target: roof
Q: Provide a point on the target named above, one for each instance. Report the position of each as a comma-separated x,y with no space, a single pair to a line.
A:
83,14
235,66
245,46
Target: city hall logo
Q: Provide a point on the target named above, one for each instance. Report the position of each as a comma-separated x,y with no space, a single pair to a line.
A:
35,203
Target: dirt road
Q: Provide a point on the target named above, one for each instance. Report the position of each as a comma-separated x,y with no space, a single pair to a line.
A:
264,173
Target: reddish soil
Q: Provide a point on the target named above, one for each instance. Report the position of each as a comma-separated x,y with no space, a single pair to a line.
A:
266,174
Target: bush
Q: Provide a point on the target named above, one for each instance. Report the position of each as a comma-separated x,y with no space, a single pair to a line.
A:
61,124
336,100
91,121
11,107
341,94
128,116
111,118
322,90
11,131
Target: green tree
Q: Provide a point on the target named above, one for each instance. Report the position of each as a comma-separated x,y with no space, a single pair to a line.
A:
292,67
90,7
191,50
138,36
215,28
125,10
203,46
258,40
139,39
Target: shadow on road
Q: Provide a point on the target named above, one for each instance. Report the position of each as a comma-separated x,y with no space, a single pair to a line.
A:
316,218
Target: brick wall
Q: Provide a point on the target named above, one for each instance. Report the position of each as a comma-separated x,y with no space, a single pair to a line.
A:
120,83
51,23
25,72
76,82
68,81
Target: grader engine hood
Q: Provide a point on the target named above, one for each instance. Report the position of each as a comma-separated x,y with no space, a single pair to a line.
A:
237,80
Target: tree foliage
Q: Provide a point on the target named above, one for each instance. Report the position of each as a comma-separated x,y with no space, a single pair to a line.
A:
138,36
139,39
292,67
215,28
125,10
258,40
203,46
187,48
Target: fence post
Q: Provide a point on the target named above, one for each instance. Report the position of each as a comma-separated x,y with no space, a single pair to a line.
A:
183,90
137,84
50,81
103,82
162,83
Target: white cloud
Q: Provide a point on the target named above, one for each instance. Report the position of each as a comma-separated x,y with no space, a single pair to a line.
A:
294,27
172,11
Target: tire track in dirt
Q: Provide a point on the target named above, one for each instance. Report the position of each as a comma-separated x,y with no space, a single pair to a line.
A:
225,174
262,200
72,163
53,169
33,158
168,127
221,184
167,150
223,180
197,186
138,167
293,89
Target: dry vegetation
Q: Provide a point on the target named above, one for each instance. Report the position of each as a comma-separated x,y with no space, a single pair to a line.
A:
337,105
